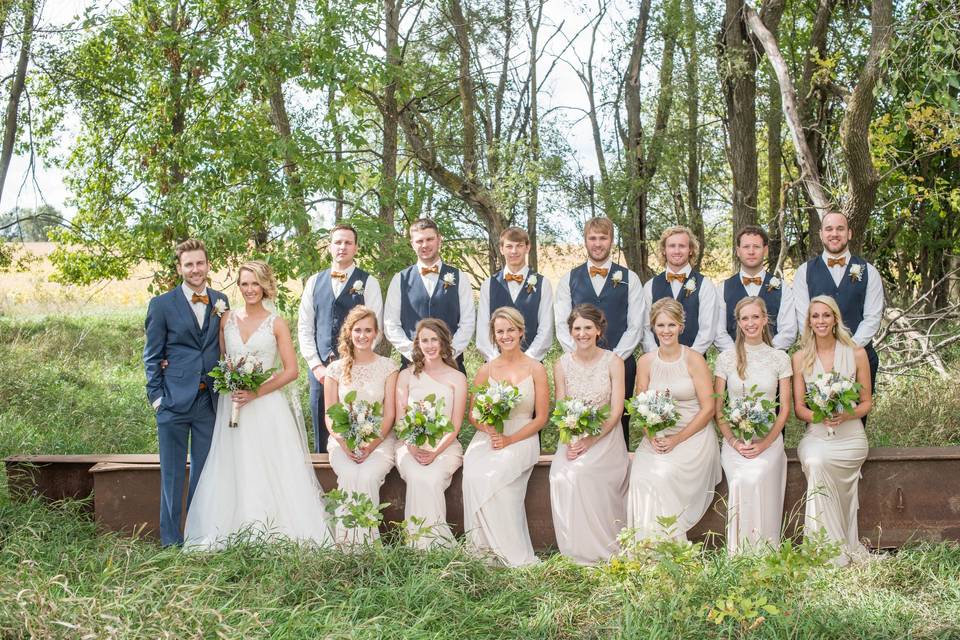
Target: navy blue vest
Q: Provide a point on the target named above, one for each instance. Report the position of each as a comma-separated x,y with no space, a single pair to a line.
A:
613,300
660,288
851,295
527,302
415,304
734,292
330,311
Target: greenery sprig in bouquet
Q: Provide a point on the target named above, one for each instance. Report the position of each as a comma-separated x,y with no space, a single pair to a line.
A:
653,410
242,374
424,422
493,402
832,394
575,419
358,421
750,416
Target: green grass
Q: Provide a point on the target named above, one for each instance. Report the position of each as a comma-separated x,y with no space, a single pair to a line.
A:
75,385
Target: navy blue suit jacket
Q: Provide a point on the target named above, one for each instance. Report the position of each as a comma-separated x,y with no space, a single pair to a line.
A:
191,352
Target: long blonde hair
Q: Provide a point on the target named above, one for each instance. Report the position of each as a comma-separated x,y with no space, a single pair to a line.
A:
808,340
741,342
345,343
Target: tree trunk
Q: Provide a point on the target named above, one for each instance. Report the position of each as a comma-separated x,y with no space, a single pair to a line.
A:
862,177
534,195
809,173
774,169
10,121
390,109
337,149
694,214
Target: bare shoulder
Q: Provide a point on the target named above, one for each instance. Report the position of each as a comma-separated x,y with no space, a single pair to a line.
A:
615,364
696,360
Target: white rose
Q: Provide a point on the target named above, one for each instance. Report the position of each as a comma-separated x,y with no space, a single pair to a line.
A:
532,281
247,367
690,285
775,282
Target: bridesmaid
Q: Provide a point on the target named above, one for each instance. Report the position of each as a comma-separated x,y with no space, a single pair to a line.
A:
427,471
588,479
832,462
756,471
497,467
374,378
675,473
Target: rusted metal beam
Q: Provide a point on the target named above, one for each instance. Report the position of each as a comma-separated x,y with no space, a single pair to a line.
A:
905,494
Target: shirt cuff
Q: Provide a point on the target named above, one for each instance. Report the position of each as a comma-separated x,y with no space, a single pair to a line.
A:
156,403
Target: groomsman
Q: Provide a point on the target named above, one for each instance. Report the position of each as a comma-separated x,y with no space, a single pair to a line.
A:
328,297
850,280
428,289
752,245
182,346
680,281
517,286
613,289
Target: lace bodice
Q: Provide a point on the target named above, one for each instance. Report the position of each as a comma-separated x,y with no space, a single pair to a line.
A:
588,383
261,345
766,366
368,380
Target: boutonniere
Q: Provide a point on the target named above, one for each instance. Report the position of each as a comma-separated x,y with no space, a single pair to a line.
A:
856,273
616,278
690,286
774,284
531,283
219,307
357,288
449,280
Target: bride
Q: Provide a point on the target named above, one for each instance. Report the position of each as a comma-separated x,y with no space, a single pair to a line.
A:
258,479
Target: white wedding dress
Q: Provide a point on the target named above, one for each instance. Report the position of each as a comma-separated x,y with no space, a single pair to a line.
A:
258,480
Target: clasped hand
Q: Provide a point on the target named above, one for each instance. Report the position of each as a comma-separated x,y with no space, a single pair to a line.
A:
497,440
580,447
423,456
664,444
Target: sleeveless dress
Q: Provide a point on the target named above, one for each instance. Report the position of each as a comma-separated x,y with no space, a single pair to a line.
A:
369,381
832,466
258,479
587,494
679,483
426,484
495,486
755,487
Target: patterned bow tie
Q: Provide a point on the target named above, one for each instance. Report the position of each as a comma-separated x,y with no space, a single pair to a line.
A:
676,277
428,270
513,277
338,275
757,280
837,262
598,271
199,298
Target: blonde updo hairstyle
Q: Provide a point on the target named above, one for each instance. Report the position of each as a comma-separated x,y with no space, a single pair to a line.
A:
345,342
512,316
263,274
670,307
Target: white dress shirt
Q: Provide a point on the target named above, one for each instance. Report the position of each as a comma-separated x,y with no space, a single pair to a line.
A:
391,311
199,309
707,317
541,343
872,305
306,320
786,317
635,310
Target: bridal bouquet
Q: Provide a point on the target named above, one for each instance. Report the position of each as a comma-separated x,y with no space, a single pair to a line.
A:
654,410
242,374
493,402
575,419
424,422
831,394
358,421
750,416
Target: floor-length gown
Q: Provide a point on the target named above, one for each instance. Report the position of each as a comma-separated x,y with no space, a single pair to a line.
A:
755,486
495,486
258,479
426,484
679,483
368,380
832,466
587,494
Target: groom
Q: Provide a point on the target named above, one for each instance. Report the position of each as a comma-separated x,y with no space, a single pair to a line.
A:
183,328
